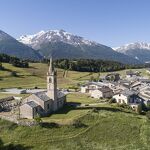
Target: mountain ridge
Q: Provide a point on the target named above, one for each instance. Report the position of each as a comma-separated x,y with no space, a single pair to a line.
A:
10,46
62,44
138,50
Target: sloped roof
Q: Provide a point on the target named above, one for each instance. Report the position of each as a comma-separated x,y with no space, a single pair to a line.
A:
129,92
60,94
42,95
32,104
94,83
105,89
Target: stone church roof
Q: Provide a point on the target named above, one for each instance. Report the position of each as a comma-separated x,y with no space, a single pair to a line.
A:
42,96
32,104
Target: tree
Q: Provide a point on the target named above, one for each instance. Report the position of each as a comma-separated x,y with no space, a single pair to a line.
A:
14,74
139,109
148,114
91,78
38,119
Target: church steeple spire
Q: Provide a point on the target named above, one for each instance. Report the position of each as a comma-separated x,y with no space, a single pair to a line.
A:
51,68
52,83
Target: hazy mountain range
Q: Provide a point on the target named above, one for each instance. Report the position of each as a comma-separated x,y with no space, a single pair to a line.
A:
61,44
137,50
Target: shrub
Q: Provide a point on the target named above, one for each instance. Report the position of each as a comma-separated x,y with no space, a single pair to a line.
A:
112,100
19,87
95,110
78,124
123,106
38,119
148,114
14,74
139,109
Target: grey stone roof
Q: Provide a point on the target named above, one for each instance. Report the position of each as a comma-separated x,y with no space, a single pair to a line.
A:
105,89
129,92
42,96
32,104
145,80
94,83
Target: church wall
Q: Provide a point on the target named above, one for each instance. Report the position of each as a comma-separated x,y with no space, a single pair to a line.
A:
26,111
48,106
61,101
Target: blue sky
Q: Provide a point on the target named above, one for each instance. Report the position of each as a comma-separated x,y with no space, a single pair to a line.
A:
109,22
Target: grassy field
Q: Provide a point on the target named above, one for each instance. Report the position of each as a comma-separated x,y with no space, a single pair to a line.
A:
35,75
108,128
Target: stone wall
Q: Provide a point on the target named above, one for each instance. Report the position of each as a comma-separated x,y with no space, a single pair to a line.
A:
19,122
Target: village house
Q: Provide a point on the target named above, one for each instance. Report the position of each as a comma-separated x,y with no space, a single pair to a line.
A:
44,103
131,74
103,92
91,86
145,94
113,77
128,97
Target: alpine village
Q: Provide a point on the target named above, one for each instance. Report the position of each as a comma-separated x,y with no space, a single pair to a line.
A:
63,89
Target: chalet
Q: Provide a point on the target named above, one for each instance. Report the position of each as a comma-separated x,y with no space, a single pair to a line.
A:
91,86
113,77
130,74
103,92
128,97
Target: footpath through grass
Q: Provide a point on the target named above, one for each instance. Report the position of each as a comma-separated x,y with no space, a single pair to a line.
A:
109,128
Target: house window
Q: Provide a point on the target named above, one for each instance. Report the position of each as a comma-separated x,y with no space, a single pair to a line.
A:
47,106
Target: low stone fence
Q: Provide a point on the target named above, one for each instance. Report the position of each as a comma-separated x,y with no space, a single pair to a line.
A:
17,121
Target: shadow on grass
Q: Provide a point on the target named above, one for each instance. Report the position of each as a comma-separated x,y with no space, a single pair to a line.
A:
49,125
76,106
13,146
68,107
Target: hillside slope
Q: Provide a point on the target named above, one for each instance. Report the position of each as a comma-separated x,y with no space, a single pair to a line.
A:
10,46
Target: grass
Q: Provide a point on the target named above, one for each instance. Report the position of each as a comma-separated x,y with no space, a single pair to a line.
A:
81,98
35,75
109,128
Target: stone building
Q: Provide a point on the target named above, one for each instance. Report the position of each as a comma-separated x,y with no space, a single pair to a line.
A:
128,97
103,92
44,103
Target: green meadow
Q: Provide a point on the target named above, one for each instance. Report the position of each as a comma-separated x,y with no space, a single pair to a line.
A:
91,127
35,76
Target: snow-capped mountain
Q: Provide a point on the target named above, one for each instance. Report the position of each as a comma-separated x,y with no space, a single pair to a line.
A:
53,36
136,45
137,50
61,44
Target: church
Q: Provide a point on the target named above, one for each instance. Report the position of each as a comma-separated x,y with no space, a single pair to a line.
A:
44,103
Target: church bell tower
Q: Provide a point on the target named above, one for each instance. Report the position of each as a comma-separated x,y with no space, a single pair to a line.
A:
52,83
